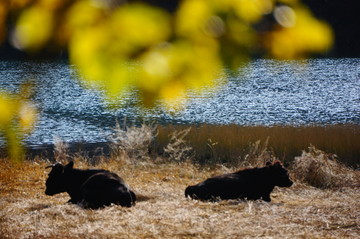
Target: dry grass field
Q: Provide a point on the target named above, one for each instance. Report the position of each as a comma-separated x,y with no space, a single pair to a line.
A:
162,211
324,201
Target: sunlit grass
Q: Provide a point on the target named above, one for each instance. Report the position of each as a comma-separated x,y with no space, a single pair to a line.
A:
163,212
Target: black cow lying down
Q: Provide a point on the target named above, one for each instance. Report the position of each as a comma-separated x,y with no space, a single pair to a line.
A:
250,184
93,188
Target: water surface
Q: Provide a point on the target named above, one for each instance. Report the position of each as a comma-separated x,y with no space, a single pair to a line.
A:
266,92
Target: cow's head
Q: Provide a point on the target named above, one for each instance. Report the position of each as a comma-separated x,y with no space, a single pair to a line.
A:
56,181
279,174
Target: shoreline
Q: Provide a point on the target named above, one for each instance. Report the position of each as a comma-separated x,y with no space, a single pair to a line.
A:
232,142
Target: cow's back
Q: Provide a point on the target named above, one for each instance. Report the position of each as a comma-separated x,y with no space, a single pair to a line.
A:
246,184
75,179
105,188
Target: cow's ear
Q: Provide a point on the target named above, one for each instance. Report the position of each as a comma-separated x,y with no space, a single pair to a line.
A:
70,165
56,168
277,163
57,165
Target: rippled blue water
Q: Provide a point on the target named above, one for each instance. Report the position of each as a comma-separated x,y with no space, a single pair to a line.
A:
266,92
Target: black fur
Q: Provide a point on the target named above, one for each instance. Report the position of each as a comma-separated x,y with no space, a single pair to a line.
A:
250,184
93,188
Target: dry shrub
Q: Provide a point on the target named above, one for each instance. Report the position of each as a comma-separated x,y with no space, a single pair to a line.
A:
259,154
61,150
133,142
178,148
322,170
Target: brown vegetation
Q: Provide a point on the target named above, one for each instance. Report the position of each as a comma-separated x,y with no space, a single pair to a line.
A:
328,210
320,169
230,144
298,212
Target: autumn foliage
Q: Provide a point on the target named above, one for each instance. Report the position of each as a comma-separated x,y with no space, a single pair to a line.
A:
122,46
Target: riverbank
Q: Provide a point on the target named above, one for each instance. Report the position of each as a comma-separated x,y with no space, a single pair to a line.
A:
223,144
231,143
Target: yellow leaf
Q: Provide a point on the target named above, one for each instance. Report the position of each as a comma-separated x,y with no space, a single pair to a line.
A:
173,96
192,18
138,25
7,109
34,28
252,10
305,35
83,15
27,116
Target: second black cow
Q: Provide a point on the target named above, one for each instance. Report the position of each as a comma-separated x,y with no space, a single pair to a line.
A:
93,188
250,184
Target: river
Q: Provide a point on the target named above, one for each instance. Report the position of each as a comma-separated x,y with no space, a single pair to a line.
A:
265,92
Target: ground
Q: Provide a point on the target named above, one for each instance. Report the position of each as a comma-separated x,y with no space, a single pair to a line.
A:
162,211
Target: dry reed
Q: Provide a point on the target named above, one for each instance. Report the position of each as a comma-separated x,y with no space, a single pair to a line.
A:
61,151
231,143
133,142
259,154
177,149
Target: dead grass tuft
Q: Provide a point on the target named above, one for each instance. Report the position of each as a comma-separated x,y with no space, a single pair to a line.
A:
178,148
61,151
322,170
259,154
133,142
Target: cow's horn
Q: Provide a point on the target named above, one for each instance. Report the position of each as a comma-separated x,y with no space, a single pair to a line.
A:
53,165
